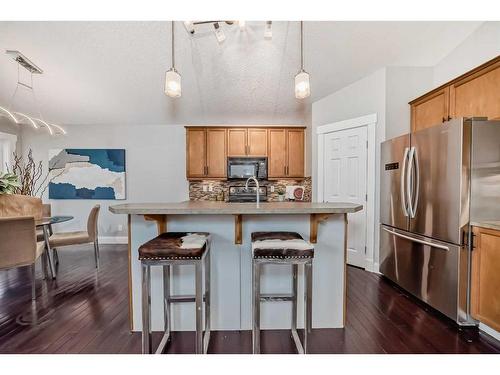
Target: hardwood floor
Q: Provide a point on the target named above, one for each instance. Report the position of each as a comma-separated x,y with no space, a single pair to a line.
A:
85,312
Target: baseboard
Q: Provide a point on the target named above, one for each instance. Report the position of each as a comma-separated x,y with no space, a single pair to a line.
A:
490,331
113,240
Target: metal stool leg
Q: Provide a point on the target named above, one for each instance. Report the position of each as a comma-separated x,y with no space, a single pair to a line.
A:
146,309
199,306
307,302
256,308
33,282
206,336
166,299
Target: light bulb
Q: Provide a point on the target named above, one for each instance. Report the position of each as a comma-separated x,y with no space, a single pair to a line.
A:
302,86
242,25
173,84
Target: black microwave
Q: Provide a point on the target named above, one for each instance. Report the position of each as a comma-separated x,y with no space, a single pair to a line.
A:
243,168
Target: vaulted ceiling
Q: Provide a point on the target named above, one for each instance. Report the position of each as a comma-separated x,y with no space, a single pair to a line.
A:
113,72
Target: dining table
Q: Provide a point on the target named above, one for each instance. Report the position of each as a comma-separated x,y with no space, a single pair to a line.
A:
45,223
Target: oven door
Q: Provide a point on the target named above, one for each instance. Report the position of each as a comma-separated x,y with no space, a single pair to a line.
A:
241,170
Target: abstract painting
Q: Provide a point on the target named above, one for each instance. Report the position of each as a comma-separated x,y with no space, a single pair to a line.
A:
87,173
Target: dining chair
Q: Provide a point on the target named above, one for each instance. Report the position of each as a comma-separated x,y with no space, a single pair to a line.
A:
57,240
19,246
46,212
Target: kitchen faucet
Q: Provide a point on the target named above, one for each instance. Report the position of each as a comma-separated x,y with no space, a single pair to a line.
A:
257,188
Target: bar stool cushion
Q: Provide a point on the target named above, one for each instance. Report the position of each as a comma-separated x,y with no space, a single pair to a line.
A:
280,245
175,245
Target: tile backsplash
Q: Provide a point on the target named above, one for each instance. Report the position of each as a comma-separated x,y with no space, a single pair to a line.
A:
220,188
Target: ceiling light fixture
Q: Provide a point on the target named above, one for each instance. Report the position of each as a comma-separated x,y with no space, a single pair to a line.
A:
268,30
29,119
9,114
27,64
44,123
172,77
302,86
219,34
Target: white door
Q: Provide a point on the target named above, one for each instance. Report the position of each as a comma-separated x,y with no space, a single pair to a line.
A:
345,153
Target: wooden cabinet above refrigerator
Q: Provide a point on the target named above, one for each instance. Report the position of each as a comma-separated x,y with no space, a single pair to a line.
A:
473,94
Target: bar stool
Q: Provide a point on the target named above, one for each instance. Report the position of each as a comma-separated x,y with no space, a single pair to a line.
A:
282,248
173,249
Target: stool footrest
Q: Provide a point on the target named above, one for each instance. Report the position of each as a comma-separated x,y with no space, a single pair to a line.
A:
163,343
182,298
296,339
277,297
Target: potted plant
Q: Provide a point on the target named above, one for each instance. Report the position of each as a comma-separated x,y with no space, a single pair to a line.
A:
17,189
9,183
281,194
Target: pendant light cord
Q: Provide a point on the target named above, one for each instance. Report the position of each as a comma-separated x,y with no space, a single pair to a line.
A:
173,55
301,45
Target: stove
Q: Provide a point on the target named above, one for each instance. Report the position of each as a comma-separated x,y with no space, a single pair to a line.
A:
238,193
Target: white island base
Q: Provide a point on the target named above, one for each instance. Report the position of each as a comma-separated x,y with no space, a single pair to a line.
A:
231,274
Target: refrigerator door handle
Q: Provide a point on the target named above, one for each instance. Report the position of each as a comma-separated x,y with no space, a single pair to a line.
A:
423,242
409,184
414,204
404,204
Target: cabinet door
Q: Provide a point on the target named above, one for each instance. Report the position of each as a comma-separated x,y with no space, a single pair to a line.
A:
295,153
195,152
257,142
216,152
485,298
430,110
277,153
236,142
477,95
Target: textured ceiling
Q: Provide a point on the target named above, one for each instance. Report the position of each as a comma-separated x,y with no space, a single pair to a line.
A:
112,72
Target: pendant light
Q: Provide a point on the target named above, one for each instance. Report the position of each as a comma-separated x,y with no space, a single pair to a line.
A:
21,118
172,77
302,86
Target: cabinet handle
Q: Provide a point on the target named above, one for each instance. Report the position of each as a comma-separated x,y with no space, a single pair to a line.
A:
444,119
449,118
206,170
284,170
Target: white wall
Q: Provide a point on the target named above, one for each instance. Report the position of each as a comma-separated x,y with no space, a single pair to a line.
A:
155,168
479,47
403,84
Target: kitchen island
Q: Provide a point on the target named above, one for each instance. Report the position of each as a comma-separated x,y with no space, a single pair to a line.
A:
231,224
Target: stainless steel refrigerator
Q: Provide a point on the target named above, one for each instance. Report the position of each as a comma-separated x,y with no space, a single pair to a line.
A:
434,182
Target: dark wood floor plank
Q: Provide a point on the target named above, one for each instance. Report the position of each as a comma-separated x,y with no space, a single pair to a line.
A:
88,313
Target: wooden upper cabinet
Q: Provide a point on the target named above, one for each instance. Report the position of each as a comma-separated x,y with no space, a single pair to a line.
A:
286,153
485,282
474,94
277,157
207,150
247,142
295,153
477,95
216,153
257,142
195,152
236,142
430,110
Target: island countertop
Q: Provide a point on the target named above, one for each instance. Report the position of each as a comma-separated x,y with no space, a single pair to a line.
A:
225,208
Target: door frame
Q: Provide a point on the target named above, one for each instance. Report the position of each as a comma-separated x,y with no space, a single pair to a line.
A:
370,121
11,140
